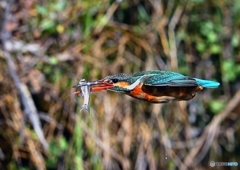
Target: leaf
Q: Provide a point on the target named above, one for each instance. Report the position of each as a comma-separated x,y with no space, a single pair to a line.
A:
229,70
59,6
215,49
53,60
216,106
206,28
42,10
47,25
63,143
143,14
212,37
201,47
235,41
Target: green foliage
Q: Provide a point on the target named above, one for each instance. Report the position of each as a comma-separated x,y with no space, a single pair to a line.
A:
201,47
22,168
143,15
77,147
216,106
49,15
235,41
53,60
56,149
215,48
88,23
13,166
210,38
96,162
171,165
184,70
197,2
231,70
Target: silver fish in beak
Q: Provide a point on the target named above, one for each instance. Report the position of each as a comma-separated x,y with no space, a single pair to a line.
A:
84,89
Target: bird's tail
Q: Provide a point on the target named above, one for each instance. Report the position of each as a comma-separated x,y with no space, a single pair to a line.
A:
207,83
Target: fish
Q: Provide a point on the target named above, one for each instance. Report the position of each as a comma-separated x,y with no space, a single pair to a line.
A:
84,88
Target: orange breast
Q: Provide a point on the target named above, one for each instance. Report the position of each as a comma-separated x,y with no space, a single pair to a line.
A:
139,94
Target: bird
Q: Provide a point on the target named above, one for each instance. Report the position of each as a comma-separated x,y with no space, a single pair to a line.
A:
154,86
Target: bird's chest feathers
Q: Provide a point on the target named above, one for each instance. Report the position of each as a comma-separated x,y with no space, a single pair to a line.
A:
138,93
163,94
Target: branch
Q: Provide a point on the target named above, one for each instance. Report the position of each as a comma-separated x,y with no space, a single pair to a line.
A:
26,99
205,141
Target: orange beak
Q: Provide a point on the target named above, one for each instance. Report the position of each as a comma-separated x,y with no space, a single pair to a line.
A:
94,86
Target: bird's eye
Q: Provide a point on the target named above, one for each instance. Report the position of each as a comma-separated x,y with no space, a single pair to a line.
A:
114,80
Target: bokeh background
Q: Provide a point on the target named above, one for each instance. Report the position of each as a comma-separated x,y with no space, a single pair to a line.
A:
48,45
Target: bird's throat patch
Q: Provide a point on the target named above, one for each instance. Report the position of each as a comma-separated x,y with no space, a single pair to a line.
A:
122,84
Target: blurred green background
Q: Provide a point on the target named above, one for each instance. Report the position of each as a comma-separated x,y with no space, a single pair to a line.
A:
54,43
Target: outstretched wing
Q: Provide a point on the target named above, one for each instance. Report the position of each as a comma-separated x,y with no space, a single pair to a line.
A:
167,78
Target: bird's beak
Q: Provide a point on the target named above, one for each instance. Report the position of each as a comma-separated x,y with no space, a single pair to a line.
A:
97,85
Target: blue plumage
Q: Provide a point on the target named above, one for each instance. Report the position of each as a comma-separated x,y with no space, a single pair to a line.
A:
168,78
158,86
207,83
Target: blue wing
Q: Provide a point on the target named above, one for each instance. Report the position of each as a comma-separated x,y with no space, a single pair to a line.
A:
168,78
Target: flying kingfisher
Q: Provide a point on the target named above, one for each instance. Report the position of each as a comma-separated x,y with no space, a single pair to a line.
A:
155,86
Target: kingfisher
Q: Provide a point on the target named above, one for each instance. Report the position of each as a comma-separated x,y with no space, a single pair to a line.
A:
155,86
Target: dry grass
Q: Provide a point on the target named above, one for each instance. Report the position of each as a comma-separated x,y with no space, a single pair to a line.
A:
40,63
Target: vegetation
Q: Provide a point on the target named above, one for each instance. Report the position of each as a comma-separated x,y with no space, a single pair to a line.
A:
47,46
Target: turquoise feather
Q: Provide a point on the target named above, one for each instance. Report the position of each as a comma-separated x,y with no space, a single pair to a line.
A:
168,78
207,83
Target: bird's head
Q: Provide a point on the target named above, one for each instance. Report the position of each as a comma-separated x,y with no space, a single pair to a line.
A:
117,82
120,82
125,83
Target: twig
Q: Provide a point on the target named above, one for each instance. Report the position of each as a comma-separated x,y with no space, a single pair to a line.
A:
165,139
172,38
107,17
100,144
29,107
205,141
